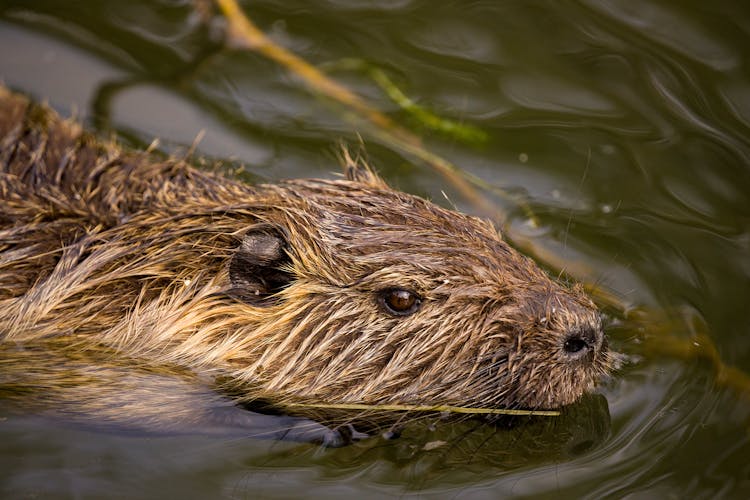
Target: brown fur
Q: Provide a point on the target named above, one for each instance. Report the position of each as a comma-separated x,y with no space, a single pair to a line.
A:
154,260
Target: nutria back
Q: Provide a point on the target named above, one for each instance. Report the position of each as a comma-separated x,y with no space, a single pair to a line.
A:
336,291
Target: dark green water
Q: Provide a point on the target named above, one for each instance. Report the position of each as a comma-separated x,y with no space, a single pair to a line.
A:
624,124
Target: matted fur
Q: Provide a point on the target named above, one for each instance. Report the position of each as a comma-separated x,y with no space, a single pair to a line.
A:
127,251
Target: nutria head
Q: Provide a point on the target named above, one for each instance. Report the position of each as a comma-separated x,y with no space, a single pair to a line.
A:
369,295
307,291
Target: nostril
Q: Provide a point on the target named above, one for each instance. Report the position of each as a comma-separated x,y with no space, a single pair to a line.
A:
583,341
575,344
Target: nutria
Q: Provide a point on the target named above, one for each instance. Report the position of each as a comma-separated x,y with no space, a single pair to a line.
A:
335,291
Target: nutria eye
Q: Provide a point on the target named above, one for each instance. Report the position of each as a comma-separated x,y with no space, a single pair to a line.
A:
399,301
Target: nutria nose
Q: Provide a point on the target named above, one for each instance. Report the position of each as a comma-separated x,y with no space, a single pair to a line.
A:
582,341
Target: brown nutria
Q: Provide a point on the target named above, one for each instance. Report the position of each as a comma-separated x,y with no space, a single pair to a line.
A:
336,291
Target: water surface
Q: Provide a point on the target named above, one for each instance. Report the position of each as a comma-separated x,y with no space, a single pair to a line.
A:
623,124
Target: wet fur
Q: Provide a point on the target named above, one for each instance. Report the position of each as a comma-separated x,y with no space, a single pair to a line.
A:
153,260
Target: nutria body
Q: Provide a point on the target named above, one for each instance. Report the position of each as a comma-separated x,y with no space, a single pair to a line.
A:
337,291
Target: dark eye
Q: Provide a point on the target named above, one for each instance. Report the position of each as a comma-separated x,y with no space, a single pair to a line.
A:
399,301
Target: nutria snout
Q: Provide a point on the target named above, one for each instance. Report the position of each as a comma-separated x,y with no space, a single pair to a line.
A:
337,291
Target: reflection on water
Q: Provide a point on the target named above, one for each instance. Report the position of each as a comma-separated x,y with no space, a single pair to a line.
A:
428,453
623,124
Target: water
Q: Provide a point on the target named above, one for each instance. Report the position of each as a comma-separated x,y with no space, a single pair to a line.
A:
623,124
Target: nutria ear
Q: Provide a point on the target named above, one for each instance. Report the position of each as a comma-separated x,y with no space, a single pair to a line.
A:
357,170
256,270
